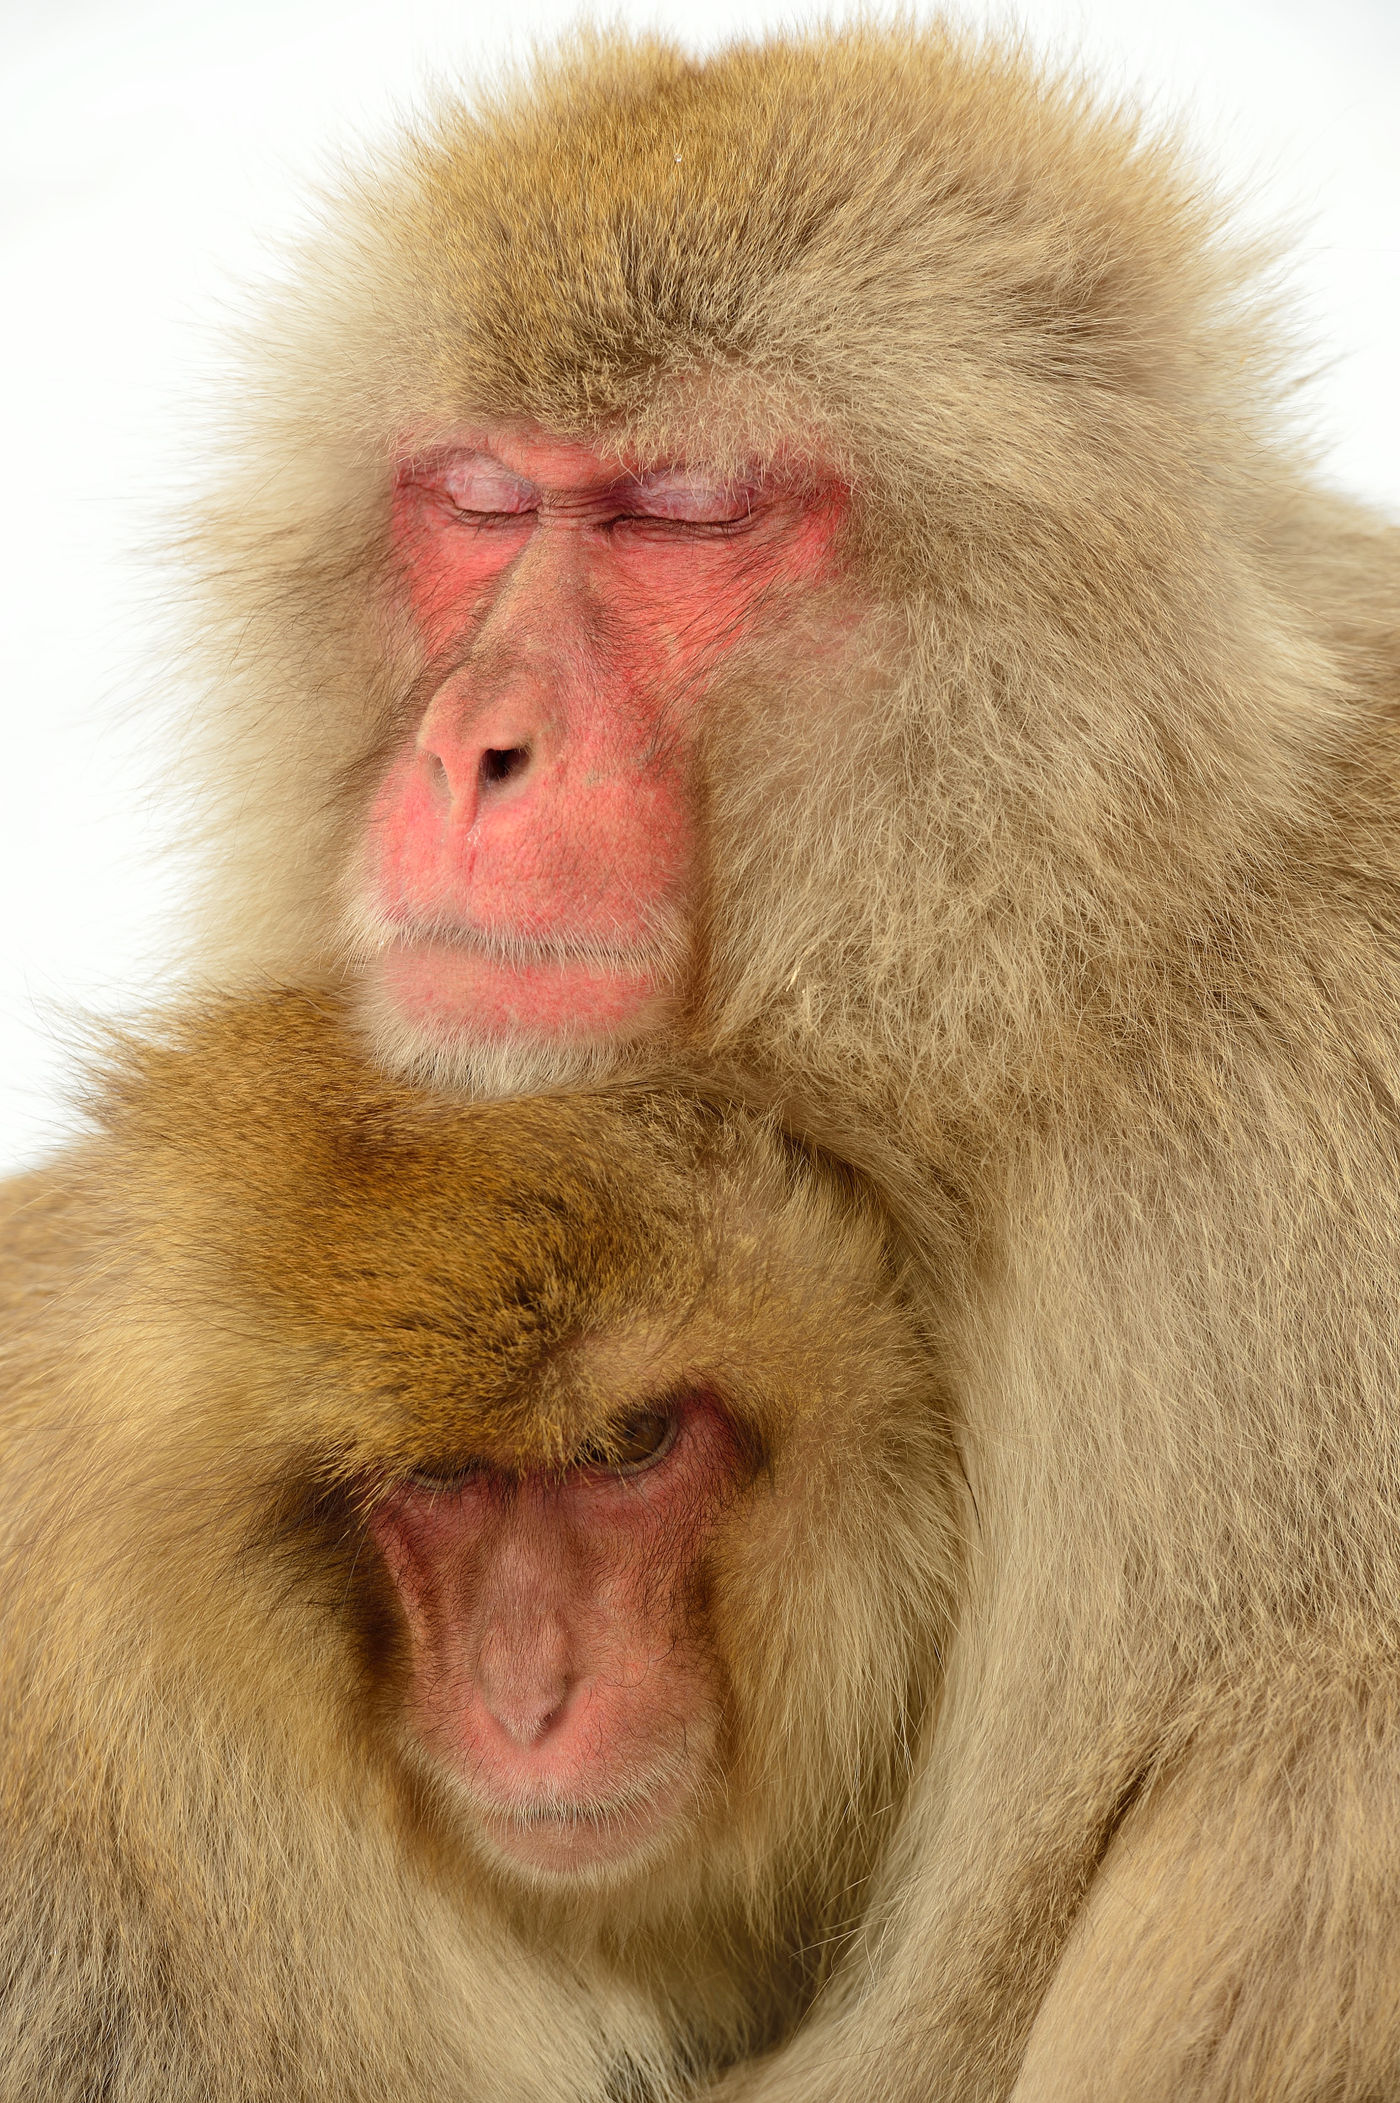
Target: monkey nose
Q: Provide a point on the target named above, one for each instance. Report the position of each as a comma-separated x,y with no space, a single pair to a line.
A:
482,758
524,1681
528,1718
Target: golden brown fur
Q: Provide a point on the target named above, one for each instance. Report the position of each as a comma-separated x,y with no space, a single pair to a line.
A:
1069,914
221,1875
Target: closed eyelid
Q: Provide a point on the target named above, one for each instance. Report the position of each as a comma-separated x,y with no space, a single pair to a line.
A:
479,483
672,493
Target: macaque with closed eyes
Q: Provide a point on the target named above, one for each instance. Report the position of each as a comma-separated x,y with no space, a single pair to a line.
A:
793,566
473,1583
533,846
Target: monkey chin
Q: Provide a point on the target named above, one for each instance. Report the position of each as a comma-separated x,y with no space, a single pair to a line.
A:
457,1054
494,1017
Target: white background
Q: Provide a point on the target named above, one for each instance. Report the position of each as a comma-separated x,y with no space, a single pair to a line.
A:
151,154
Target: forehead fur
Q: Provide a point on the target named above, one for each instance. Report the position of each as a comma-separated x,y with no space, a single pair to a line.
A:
398,1275
869,242
861,207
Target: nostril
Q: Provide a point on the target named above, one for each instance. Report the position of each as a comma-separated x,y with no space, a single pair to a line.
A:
502,763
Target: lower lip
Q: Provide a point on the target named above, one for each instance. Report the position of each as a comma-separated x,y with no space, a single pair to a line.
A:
588,1842
450,990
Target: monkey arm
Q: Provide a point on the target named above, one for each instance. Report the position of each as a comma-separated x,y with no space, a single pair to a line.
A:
1183,1568
1239,1940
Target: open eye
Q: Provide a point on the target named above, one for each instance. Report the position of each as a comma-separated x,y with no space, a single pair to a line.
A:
634,1442
443,1481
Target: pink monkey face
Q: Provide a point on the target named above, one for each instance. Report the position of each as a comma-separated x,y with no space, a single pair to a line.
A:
533,848
558,1668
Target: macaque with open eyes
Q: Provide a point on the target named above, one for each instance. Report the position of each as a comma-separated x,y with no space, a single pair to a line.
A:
473,1583
793,569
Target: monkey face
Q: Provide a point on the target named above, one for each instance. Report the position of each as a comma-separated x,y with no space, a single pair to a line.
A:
564,1415
531,867
561,1671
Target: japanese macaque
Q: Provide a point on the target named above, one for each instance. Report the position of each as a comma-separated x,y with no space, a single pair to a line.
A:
473,1583
795,566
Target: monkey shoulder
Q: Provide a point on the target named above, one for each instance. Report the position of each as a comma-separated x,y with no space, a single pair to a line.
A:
52,1238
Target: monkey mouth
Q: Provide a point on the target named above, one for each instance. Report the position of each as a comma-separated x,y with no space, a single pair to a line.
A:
526,951
559,1833
453,979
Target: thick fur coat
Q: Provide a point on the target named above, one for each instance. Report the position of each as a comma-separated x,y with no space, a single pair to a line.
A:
1062,900
271,1283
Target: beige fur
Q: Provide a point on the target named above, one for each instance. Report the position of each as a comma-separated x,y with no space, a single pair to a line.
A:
1061,899
273,1282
